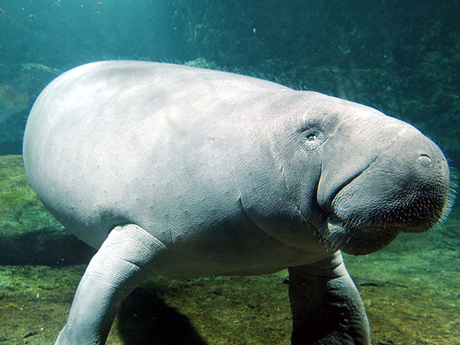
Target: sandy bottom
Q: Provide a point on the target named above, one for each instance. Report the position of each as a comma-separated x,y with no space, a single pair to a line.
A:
411,291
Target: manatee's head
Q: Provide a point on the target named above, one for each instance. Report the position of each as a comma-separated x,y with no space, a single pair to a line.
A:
379,177
375,176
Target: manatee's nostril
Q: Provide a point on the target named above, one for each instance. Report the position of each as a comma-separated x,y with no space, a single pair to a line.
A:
425,160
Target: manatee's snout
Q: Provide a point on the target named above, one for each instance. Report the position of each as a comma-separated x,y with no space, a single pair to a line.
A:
404,189
426,194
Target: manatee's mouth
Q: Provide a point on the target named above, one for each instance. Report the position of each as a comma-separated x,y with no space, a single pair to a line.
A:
360,224
357,236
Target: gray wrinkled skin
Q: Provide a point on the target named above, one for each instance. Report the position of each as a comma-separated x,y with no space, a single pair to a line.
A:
186,172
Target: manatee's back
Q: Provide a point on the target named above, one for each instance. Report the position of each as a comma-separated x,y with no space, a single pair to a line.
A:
115,142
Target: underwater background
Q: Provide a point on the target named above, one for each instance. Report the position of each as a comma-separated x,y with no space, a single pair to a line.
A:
401,57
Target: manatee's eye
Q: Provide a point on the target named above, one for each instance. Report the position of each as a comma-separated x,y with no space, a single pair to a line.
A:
312,137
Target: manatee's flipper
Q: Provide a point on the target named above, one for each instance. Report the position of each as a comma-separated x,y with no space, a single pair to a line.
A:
114,271
326,306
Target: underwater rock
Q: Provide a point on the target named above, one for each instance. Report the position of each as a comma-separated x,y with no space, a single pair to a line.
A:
35,68
201,62
17,94
14,96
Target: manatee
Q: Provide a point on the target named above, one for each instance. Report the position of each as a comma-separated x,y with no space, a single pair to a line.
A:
186,172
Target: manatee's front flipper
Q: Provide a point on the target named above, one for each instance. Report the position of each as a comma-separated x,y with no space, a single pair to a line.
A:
114,271
326,306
